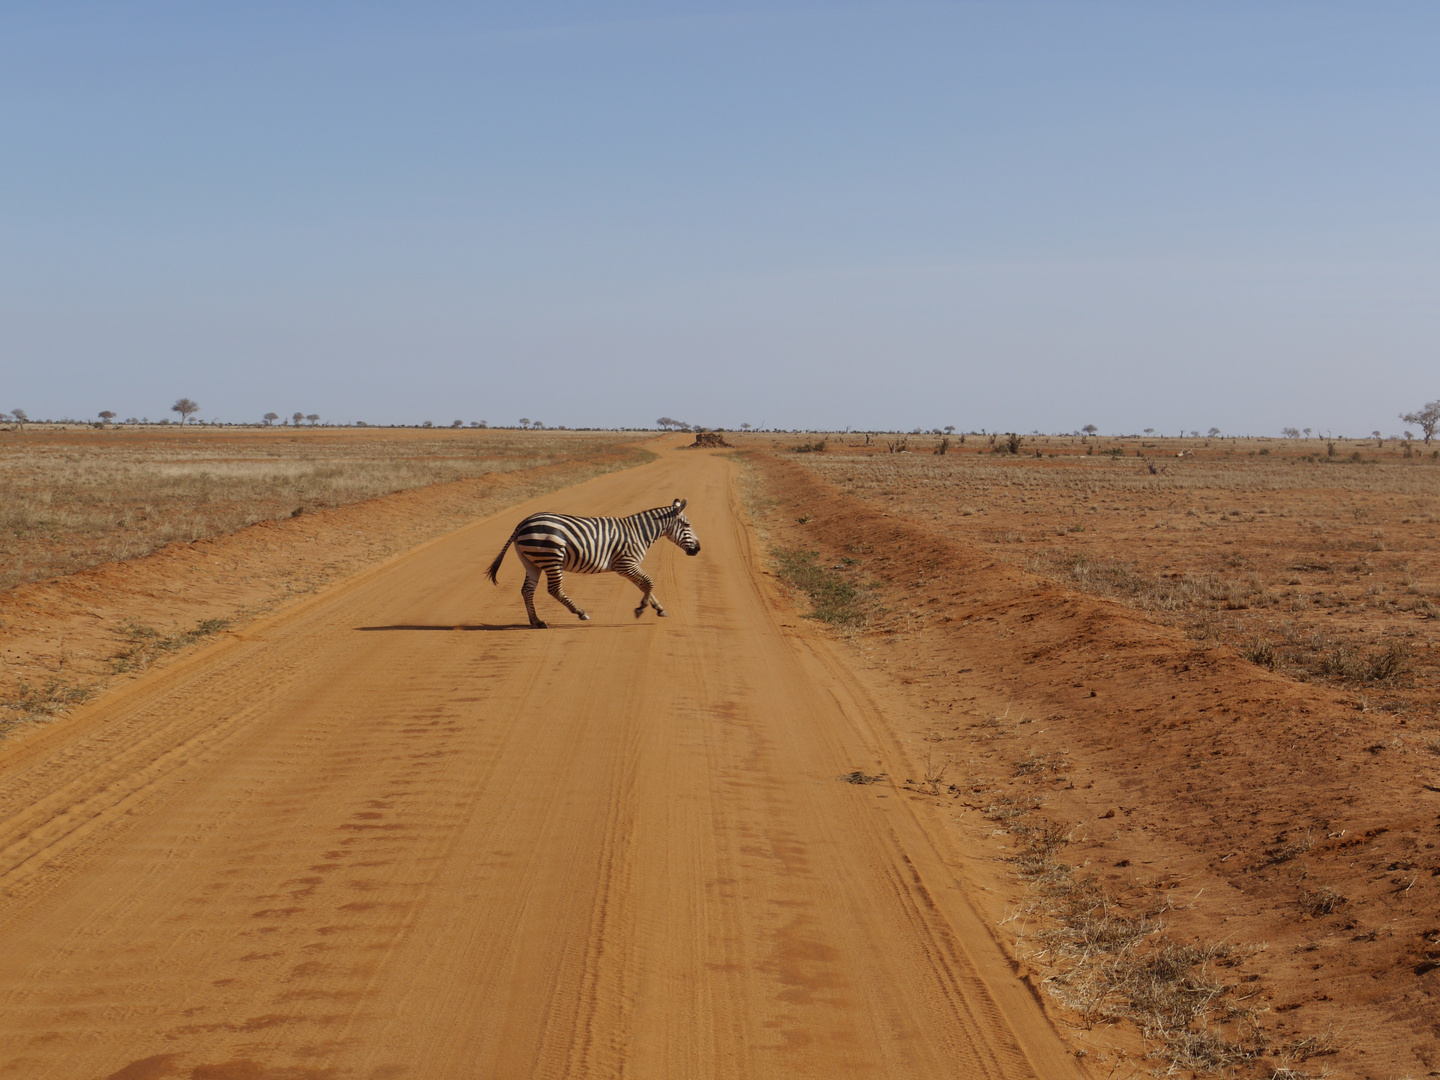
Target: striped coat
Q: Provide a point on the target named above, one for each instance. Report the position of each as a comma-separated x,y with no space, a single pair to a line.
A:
553,543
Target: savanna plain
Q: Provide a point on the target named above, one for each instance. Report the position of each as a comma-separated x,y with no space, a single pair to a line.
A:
993,756
1193,685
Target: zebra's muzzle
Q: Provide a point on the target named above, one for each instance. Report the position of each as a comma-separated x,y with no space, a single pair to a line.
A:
693,551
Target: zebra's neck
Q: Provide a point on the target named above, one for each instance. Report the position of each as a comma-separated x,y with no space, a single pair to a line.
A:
650,525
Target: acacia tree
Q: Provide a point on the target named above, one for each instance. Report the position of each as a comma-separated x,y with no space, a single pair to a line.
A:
1426,419
1090,429
106,415
313,417
20,417
296,418
271,417
185,407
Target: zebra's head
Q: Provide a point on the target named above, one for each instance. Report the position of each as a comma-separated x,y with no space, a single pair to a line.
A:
680,531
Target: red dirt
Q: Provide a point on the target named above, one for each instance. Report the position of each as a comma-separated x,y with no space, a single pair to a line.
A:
387,832
1193,780
1195,785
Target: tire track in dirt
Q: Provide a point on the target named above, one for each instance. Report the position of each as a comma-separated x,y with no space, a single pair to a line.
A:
383,836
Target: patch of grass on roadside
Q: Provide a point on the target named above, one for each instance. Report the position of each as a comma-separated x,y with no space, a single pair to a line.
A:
54,697
145,644
836,600
1108,963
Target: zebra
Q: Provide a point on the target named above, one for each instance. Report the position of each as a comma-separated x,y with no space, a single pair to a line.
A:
552,543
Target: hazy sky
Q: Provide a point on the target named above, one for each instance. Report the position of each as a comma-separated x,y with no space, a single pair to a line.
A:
1009,215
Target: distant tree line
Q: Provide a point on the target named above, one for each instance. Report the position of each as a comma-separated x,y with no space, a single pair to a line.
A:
1426,418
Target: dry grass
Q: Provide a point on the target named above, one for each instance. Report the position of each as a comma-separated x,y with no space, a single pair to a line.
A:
143,645
31,702
72,499
1317,568
1283,853
1109,962
1320,902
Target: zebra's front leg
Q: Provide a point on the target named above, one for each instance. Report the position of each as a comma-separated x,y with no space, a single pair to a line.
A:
646,584
553,575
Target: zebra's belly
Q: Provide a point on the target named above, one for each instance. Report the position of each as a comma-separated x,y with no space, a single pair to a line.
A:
583,562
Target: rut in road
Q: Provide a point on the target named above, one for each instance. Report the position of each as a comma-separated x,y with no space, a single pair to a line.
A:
385,835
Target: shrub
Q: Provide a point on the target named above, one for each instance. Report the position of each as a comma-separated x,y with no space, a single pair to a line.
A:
1323,901
1260,652
1384,664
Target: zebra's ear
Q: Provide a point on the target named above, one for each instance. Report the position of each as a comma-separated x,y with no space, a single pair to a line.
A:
679,504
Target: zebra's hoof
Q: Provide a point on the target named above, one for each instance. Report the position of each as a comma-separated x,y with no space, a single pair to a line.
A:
539,626
662,613
584,617
640,611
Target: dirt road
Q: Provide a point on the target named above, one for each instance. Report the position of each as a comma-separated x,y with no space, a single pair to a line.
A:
388,835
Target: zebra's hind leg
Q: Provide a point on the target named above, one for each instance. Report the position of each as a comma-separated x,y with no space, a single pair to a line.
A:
527,590
557,590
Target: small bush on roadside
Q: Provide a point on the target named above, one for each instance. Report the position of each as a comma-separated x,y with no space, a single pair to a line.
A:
1260,652
1322,901
1382,665
1283,853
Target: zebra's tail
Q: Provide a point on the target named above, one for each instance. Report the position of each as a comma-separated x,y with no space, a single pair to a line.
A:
495,566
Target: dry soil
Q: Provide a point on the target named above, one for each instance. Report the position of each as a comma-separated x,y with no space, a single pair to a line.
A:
390,832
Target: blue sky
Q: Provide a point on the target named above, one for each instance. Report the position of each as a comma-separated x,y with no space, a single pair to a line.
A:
1009,215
